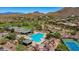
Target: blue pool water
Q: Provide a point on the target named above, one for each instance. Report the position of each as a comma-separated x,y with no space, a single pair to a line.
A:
37,37
72,46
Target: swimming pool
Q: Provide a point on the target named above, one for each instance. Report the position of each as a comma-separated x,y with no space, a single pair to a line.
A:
37,37
71,44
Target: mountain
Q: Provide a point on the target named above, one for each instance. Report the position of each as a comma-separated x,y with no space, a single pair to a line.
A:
36,12
67,11
64,12
11,13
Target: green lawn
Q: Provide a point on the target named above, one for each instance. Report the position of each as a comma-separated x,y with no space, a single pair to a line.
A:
15,24
20,47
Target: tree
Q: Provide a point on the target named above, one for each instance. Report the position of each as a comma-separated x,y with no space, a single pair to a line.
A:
11,36
56,34
21,39
12,30
48,36
72,32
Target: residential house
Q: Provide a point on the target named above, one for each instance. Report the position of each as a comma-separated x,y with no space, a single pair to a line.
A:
26,42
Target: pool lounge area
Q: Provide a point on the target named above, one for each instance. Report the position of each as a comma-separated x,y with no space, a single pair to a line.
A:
37,37
71,44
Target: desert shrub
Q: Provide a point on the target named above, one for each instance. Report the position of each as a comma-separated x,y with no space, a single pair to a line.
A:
3,41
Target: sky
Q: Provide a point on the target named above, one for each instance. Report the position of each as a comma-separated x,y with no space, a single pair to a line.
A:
29,9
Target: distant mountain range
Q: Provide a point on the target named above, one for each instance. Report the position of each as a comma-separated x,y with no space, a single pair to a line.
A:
11,13
67,11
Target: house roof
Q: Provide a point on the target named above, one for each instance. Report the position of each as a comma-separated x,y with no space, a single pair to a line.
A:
27,41
20,30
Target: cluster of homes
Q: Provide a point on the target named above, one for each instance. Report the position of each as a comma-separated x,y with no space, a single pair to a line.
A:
21,32
24,32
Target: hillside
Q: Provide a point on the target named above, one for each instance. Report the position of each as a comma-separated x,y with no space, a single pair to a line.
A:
65,12
68,11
